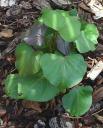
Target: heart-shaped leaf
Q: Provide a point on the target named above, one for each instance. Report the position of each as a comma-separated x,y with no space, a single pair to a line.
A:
67,26
87,39
35,88
27,61
78,100
63,71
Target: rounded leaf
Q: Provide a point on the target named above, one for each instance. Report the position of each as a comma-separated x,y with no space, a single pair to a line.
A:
34,88
67,26
87,39
71,29
91,32
83,44
78,101
51,17
27,61
63,71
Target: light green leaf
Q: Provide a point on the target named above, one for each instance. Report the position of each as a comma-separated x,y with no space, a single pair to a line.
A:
34,88
63,71
51,17
87,39
78,101
67,26
91,32
27,61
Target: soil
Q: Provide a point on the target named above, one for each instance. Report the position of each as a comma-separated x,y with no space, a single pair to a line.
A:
14,21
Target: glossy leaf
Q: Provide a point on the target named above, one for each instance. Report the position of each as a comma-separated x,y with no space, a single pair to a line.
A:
67,26
27,61
78,101
63,71
88,39
35,88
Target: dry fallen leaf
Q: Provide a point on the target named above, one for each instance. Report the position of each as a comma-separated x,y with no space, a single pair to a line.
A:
33,105
7,33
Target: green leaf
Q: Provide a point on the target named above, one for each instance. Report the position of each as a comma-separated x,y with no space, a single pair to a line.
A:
78,100
34,88
63,71
91,32
88,39
73,12
27,61
67,26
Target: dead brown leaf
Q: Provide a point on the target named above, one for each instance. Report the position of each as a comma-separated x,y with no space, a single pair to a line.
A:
33,105
6,33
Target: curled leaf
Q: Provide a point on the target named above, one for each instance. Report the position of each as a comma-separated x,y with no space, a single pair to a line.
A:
35,35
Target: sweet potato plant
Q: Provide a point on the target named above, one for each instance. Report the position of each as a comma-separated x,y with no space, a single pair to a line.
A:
50,61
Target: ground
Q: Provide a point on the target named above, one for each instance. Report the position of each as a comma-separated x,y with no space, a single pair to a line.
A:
25,114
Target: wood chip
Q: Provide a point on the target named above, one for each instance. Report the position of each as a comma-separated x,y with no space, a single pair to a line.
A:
6,3
95,71
97,8
6,33
98,95
84,6
100,118
56,122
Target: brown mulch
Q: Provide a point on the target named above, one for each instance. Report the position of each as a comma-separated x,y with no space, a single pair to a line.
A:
25,114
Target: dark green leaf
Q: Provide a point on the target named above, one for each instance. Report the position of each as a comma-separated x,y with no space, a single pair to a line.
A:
73,12
35,88
78,100
63,71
